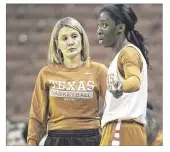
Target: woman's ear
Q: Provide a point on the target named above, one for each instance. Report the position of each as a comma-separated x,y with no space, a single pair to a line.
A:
121,28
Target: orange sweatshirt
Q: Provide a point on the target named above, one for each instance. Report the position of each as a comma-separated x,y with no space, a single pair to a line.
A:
66,99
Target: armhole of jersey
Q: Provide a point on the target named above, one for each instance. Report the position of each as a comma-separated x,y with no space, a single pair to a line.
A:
119,74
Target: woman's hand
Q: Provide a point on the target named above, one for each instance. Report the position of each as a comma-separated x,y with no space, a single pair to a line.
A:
116,88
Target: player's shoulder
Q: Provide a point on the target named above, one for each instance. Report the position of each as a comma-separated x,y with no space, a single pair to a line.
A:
130,51
53,67
43,70
49,67
97,65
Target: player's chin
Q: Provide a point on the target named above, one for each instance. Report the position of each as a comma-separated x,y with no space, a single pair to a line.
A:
106,45
72,55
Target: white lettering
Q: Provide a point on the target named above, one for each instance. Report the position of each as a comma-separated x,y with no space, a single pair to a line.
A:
90,85
53,83
71,94
61,85
81,86
71,84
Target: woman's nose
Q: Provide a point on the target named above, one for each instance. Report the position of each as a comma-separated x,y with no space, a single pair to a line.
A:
99,31
70,42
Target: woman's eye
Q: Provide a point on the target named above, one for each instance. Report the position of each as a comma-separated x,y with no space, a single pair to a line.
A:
64,38
74,36
105,25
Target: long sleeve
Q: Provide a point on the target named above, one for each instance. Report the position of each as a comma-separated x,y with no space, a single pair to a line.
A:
38,112
102,81
130,65
102,88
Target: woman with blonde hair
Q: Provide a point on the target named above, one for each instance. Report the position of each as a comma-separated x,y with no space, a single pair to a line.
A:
65,98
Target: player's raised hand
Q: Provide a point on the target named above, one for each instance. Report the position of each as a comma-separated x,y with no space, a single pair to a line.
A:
116,88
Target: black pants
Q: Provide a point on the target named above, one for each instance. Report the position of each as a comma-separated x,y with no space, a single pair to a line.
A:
90,137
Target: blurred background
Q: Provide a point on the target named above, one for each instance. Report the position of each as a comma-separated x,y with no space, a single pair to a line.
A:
28,30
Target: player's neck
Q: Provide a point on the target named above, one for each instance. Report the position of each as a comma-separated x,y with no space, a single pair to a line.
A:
121,43
73,62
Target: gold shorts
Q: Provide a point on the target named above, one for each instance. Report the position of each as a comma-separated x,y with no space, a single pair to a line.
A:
123,134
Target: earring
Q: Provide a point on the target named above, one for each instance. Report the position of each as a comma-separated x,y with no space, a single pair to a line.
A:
58,51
